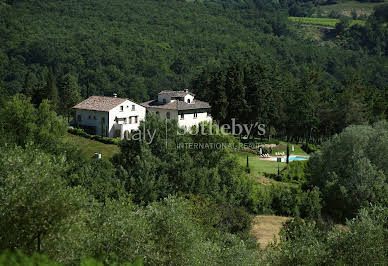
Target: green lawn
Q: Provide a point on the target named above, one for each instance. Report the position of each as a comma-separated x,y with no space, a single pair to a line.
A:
326,22
89,147
257,166
282,147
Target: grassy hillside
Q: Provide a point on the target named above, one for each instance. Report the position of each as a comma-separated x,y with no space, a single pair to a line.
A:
89,147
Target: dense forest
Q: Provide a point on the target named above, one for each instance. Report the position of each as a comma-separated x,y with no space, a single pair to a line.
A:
157,204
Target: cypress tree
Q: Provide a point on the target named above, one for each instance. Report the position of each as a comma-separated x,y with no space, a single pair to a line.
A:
70,94
52,90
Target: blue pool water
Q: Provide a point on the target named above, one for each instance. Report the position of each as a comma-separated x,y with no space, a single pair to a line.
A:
296,158
292,158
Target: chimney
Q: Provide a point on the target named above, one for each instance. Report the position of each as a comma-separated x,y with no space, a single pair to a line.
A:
115,95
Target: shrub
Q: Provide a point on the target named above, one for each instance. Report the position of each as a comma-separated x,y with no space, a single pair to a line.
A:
294,172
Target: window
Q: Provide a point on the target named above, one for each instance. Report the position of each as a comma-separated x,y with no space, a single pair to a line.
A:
94,117
133,107
130,120
182,116
116,119
125,120
168,115
103,120
135,119
195,115
188,100
121,108
79,118
90,117
164,100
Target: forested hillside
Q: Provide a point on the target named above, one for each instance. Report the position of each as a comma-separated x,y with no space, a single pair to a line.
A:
137,48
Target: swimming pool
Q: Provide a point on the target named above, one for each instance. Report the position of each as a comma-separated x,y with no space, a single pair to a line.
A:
292,158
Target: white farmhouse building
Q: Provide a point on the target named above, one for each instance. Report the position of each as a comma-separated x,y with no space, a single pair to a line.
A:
108,116
180,105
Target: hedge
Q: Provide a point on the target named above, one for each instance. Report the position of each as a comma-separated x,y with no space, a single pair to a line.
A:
81,133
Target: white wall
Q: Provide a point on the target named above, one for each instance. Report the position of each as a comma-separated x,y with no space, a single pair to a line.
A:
163,113
110,123
94,120
127,112
189,119
189,97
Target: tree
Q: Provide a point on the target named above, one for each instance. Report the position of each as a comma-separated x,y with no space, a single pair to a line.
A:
17,118
34,198
52,90
70,94
349,172
22,123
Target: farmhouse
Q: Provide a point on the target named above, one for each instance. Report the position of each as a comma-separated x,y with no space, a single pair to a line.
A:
179,105
108,116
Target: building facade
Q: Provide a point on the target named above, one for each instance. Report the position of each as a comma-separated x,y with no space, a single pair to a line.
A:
108,116
180,105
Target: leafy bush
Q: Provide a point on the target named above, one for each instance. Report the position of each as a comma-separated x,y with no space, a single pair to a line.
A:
287,200
294,171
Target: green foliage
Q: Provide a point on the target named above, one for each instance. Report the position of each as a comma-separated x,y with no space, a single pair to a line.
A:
288,107
154,170
22,123
164,233
98,177
8,258
363,241
294,172
371,37
285,200
81,133
34,198
309,148
70,94
350,170
17,258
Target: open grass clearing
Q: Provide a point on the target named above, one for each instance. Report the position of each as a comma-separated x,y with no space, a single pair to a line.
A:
326,22
266,228
89,147
258,167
